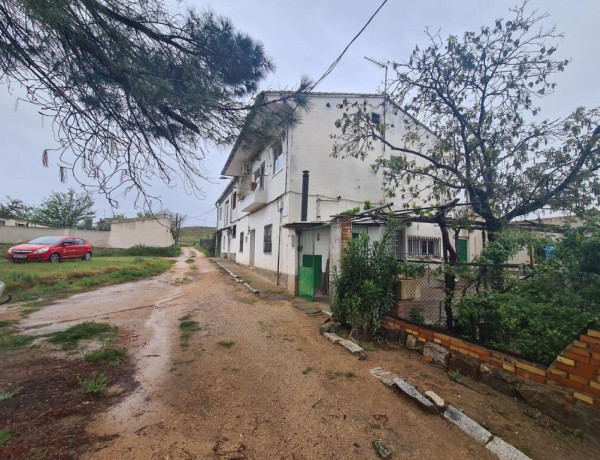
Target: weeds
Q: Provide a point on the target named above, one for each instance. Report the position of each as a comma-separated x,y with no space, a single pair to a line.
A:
10,340
109,355
6,394
189,261
4,436
94,385
226,344
456,376
187,327
7,323
307,370
70,338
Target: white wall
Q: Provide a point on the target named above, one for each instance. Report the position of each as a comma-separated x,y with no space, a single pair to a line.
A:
149,232
122,234
24,234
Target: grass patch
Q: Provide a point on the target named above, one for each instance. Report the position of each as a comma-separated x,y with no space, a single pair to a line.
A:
189,261
32,281
188,327
4,436
96,384
7,323
6,394
70,338
139,250
456,376
307,370
10,340
350,375
109,355
226,344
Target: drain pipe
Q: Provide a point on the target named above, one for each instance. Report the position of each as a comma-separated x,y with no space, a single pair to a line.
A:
304,208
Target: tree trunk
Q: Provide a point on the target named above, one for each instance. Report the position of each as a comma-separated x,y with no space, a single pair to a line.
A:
451,259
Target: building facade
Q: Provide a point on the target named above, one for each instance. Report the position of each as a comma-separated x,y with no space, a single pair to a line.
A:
263,220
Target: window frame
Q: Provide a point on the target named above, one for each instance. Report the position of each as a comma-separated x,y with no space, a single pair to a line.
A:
241,242
268,239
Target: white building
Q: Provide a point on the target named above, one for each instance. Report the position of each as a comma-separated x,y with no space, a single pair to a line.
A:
259,220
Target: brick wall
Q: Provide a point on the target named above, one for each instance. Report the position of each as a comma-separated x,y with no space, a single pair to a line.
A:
346,230
576,371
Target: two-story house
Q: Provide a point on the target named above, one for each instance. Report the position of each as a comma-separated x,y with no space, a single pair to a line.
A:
263,220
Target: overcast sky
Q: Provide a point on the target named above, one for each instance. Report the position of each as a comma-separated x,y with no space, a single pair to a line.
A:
303,38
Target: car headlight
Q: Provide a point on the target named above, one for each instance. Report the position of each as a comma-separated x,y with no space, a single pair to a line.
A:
41,251
10,250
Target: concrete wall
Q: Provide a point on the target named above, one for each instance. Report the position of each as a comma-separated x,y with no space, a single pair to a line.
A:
122,234
149,232
23,234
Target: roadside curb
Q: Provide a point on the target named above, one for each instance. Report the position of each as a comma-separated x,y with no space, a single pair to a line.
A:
238,279
432,403
349,345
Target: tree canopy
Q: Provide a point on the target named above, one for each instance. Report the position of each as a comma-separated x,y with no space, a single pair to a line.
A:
485,139
66,210
13,207
135,91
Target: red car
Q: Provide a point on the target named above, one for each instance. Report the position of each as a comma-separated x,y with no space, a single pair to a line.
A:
51,248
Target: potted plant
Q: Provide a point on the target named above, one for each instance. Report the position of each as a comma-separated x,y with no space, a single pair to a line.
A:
409,280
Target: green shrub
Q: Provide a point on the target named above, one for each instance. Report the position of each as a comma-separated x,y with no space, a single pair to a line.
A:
411,269
70,338
94,385
109,355
365,284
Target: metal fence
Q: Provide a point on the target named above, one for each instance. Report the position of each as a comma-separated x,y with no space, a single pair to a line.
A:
422,300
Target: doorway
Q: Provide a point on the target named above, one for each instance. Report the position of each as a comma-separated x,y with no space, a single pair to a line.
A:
252,247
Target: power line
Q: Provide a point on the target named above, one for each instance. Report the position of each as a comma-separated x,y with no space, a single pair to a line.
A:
339,58
203,214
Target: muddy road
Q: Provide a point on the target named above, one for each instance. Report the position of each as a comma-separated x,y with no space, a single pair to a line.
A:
257,380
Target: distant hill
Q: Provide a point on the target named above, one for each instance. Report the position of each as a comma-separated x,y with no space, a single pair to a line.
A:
193,234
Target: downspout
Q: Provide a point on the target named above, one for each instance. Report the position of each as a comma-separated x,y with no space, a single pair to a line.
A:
287,165
304,205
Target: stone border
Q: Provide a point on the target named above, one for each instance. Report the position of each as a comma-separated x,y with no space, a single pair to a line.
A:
432,403
349,345
238,279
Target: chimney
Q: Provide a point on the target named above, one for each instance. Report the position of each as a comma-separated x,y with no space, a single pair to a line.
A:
304,209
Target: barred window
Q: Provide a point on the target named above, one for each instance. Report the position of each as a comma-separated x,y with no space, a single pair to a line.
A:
241,241
423,246
268,239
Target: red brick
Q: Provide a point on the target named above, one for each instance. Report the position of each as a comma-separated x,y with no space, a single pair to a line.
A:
480,351
575,357
596,364
587,339
597,403
568,398
579,379
592,391
496,363
569,383
527,375
485,359
458,343
580,351
587,368
563,367
429,359
537,378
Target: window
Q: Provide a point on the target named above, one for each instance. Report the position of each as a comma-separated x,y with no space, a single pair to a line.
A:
226,213
233,200
268,239
375,118
423,246
277,157
69,241
241,241
234,231
80,241
259,178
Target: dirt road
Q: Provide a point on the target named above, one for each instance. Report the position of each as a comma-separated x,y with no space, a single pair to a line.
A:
257,381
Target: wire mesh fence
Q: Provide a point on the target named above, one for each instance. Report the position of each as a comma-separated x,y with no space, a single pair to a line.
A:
423,299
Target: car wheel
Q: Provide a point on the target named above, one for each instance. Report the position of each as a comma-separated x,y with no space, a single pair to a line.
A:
55,258
88,256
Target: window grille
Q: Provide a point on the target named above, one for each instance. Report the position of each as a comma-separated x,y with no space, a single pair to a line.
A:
268,241
419,246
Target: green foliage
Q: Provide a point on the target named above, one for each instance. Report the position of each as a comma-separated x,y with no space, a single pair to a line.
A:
416,316
65,210
352,211
365,284
109,355
6,394
70,338
96,384
539,314
139,250
10,340
411,269
13,208
5,436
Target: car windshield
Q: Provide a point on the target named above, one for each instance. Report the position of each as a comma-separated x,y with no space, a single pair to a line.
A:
46,240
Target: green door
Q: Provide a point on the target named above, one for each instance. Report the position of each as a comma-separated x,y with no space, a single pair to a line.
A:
306,283
463,250
315,262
